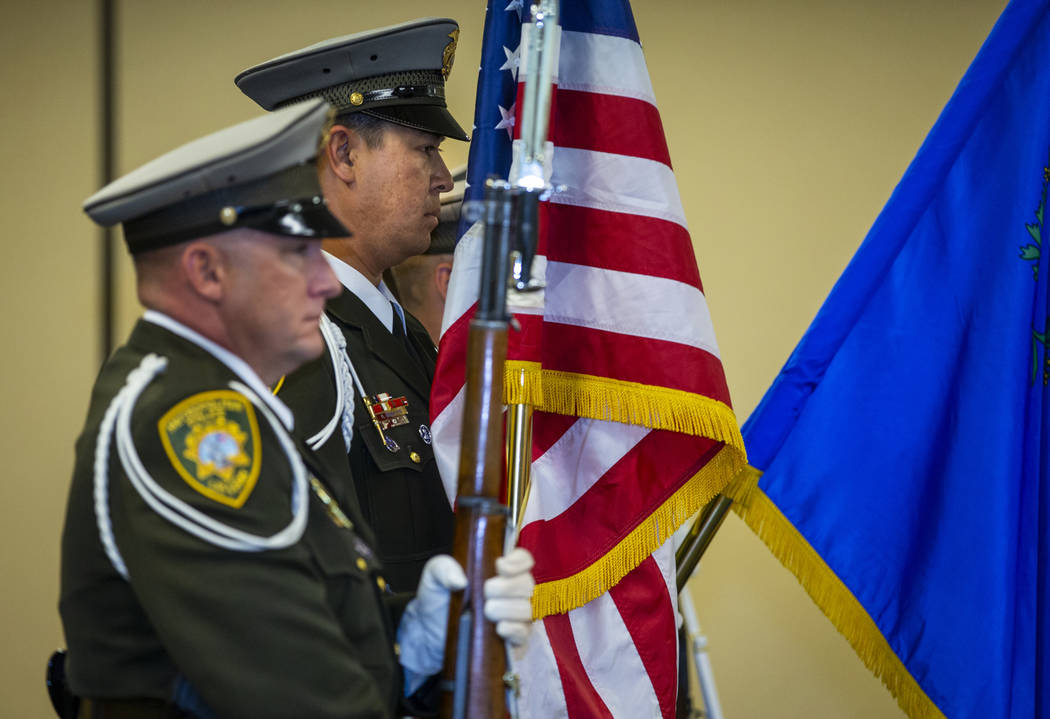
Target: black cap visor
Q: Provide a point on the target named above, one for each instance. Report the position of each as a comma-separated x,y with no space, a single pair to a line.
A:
428,118
288,202
306,217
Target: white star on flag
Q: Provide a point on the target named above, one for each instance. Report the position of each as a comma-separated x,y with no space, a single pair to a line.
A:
513,60
514,5
507,123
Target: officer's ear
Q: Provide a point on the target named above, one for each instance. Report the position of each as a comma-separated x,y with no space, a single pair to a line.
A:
442,274
340,152
204,268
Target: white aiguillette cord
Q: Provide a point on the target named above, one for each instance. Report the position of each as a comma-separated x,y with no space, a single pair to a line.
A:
347,379
344,375
165,504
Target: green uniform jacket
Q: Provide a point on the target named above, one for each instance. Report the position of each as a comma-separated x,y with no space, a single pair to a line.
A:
299,630
399,492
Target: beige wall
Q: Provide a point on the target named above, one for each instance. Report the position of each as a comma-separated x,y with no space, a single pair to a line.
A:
789,123
49,164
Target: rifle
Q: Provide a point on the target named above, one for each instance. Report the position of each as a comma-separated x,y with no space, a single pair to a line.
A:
475,657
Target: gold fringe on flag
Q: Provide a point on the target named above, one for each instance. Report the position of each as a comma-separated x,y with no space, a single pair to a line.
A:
614,400
523,383
829,593
561,595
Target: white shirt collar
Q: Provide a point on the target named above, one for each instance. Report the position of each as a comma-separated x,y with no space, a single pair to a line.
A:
380,300
239,367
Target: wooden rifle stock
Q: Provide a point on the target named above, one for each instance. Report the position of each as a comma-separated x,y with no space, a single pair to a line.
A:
475,656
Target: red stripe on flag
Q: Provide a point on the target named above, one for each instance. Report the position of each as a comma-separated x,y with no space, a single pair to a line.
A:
645,607
548,430
621,241
615,504
581,698
525,342
570,348
451,371
609,123
519,107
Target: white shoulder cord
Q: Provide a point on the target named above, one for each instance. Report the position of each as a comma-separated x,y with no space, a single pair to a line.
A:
343,415
345,378
167,505
348,368
139,377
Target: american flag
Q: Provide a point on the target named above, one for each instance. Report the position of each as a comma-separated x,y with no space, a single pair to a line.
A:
633,430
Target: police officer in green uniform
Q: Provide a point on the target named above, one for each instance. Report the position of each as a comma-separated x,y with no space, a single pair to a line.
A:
367,398
207,570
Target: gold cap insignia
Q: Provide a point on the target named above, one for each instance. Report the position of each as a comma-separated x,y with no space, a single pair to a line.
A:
449,56
212,441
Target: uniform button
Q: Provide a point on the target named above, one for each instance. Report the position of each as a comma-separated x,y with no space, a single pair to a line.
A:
414,456
397,649
362,564
381,583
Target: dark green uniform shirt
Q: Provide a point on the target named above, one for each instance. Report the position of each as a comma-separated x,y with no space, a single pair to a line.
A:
295,629
396,481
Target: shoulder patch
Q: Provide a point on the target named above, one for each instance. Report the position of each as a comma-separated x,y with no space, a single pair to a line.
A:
212,441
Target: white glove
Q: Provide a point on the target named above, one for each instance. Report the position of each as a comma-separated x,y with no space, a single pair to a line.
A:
508,596
424,625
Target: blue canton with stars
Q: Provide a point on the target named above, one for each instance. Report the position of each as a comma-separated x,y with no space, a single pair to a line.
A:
490,146
490,150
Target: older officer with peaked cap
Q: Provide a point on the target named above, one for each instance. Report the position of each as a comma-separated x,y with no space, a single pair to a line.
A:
206,569
382,175
422,281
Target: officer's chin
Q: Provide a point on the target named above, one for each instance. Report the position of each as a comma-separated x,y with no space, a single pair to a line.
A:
306,350
313,347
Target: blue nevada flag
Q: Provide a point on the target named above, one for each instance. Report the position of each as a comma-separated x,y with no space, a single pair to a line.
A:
902,455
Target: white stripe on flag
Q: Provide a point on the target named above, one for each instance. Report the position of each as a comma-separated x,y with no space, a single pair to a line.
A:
604,64
616,183
445,430
525,57
610,300
463,284
611,660
542,695
587,450
664,557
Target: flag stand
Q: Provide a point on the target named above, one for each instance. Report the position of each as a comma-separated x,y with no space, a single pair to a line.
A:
699,538
519,461
687,557
712,709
